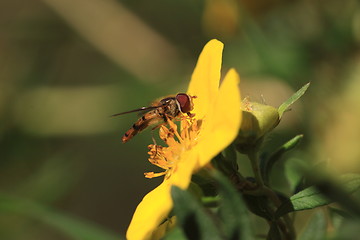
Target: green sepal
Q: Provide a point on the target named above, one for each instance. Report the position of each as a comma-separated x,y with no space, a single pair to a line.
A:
257,121
285,105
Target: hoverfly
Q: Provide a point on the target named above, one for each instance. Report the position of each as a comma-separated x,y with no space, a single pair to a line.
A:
159,113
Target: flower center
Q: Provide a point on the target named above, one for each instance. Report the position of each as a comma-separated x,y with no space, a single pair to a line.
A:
178,142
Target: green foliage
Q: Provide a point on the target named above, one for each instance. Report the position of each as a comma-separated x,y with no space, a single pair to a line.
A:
192,218
227,208
313,197
232,211
316,227
175,234
274,232
267,163
230,221
285,105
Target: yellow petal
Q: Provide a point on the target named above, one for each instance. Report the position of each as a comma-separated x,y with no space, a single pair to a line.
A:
151,211
181,177
206,77
223,120
156,205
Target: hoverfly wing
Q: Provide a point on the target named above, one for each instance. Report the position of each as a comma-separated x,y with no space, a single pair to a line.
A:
137,110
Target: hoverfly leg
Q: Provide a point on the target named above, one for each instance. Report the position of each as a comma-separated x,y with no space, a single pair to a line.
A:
152,137
157,126
152,131
191,115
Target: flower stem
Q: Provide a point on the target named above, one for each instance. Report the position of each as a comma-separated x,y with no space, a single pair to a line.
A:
253,156
287,228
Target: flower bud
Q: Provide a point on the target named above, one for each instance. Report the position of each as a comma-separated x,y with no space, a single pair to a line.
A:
258,120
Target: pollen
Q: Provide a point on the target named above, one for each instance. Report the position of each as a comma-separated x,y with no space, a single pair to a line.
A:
177,141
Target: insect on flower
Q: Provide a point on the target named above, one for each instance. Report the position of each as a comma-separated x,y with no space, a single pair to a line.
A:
160,112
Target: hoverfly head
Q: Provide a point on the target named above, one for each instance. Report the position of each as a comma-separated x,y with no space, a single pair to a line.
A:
184,102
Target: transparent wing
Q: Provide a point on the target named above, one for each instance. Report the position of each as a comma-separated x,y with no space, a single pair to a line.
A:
142,109
135,110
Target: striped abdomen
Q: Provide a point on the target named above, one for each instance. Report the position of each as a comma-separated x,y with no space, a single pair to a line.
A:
150,118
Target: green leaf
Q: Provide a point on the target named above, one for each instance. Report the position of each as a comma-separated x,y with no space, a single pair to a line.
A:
193,220
285,106
294,176
259,205
340,193
233,211
267,164
210,202
316,227
205,182
312,197
74,227
175,234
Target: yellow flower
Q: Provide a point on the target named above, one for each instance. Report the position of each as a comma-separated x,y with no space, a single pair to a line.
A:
215,125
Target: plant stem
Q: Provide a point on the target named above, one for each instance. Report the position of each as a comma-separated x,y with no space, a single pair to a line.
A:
253,156
288,228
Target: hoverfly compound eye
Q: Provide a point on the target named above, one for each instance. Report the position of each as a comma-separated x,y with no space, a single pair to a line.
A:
184,102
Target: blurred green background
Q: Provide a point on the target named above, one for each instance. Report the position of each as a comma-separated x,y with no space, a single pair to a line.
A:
66,66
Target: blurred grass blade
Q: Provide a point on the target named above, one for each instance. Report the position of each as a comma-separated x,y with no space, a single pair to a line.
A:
267,164
191,217
233,211
316,227
313,197
285,106
349,229
74,227
337,212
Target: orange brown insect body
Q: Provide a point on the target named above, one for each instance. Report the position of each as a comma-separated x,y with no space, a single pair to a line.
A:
160,112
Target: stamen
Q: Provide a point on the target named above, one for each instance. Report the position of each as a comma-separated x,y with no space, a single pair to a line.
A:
167,158
173,127
152,174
